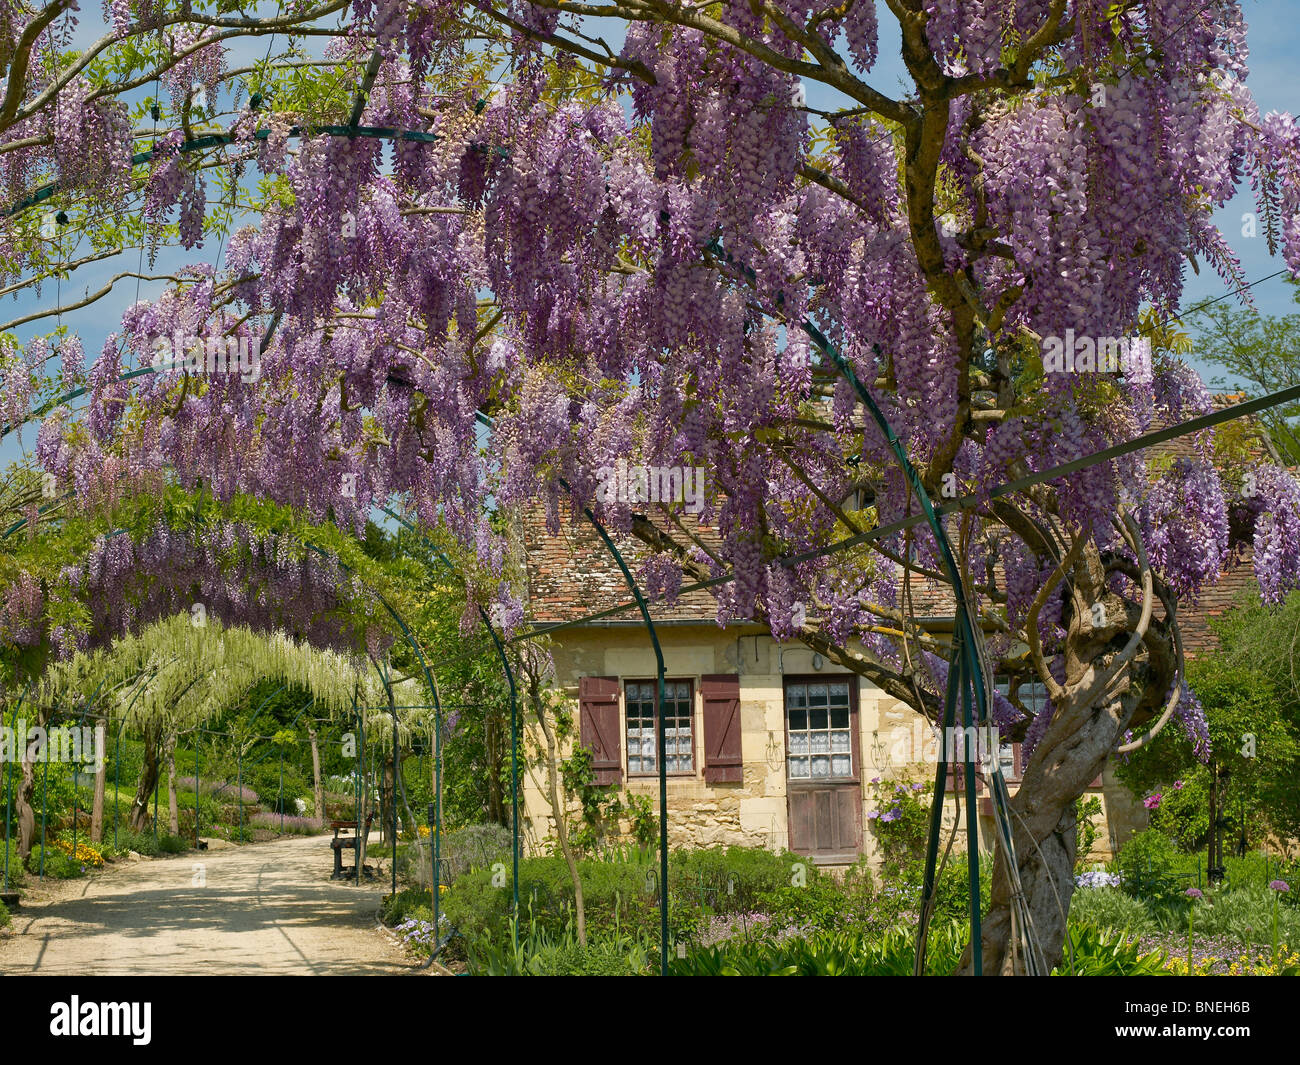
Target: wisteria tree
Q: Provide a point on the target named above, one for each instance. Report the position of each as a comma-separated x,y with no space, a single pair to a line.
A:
620,239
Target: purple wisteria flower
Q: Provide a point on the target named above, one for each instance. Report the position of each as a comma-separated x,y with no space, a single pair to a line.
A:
1280,886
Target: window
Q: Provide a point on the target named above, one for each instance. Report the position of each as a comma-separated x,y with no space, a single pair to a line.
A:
643,742
1033,695
821,742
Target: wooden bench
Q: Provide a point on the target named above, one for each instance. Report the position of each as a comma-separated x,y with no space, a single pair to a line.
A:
342,842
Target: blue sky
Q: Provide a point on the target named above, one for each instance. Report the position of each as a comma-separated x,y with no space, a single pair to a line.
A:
1274,38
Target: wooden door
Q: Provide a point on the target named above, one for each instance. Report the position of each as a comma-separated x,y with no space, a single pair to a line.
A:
823,763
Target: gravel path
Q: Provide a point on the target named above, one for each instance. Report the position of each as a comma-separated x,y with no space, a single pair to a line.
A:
263,909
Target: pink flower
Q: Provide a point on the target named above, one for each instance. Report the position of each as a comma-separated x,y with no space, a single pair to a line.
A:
1152,802
1178,785
1195,893
1280,886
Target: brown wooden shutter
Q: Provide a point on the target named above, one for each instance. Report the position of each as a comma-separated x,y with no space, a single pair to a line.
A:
723,763
1017,764
598,727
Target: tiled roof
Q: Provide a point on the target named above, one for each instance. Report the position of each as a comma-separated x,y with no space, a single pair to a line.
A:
572,574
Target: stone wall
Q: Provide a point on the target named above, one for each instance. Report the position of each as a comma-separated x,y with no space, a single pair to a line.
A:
754,811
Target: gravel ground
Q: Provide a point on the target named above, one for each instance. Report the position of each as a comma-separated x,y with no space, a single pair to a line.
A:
261,909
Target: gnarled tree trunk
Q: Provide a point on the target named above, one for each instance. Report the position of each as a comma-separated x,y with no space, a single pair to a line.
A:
148,781
317,785
173,814
101,782
25,790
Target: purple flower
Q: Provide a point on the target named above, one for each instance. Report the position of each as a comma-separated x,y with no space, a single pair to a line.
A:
1097,879
875,780
1195,893
1152,802
872,815
917,786
892,815
1280,885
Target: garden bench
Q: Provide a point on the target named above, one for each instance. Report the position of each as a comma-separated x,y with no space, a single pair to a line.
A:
342,842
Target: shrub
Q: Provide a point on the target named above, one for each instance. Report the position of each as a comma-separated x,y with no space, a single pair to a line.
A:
828,954
735,879
142,843
291,823
541,953
618,896
474,846
224,791
1245,914
5,919
58,863
407,904
87,854
9,850
900,819
603,958
173,844
1149,864
1111,908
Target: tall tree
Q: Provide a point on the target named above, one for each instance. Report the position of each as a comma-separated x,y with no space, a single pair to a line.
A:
1261,353
646,251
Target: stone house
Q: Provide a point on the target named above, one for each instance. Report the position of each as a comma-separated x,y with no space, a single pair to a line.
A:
768,744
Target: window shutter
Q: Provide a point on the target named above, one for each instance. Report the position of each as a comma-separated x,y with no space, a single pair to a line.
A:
1017,764
598,727
722,753
956,784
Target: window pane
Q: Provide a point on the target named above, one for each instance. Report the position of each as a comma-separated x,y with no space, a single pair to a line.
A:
816,694
798,767
796,695
821,766
821,742
840,717
839,694
841,765
839,741
798,720
798,743
817,718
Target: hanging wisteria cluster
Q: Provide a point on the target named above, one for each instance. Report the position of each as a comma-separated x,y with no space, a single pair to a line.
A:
646,294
